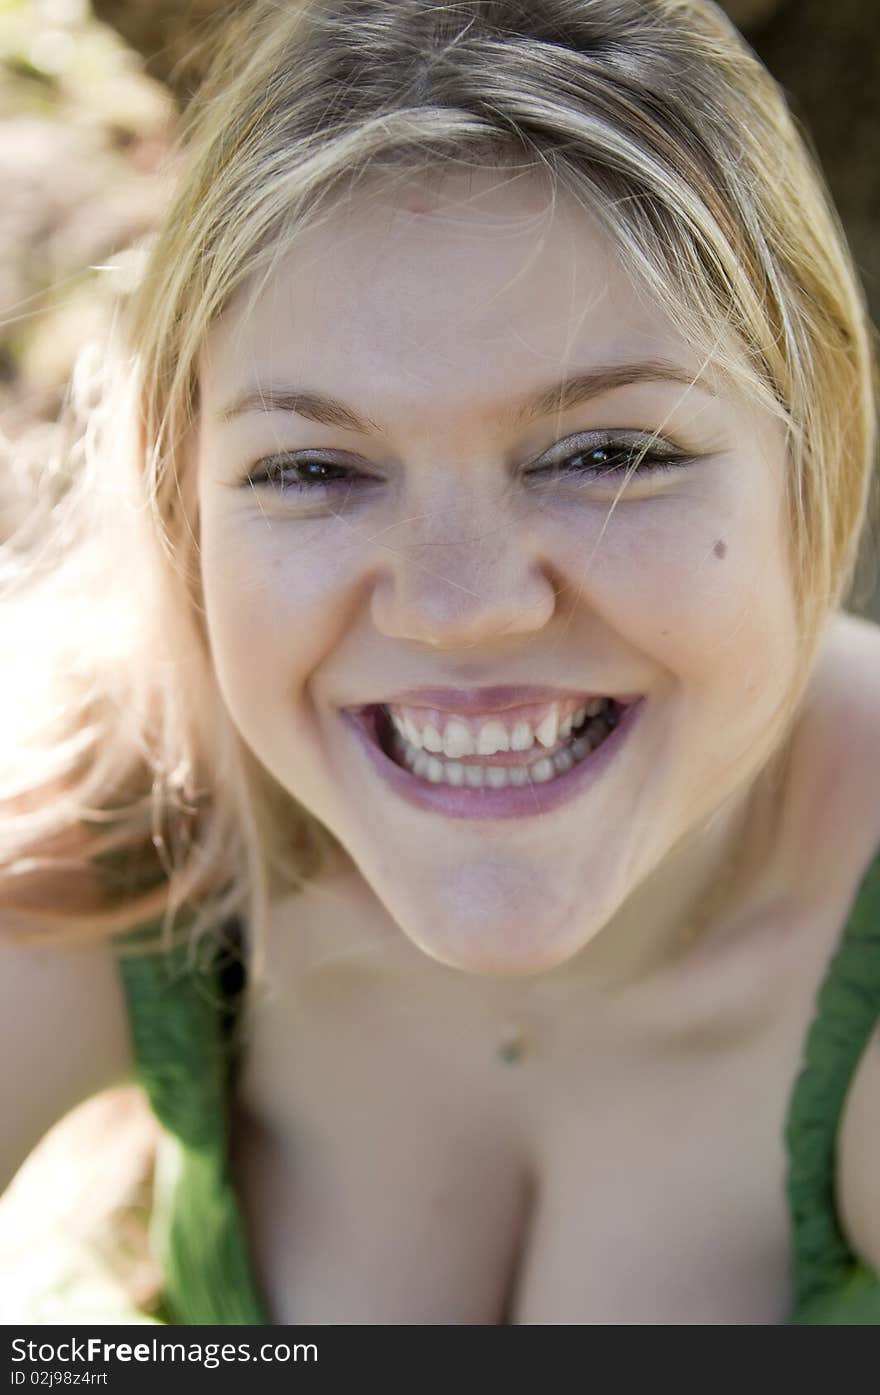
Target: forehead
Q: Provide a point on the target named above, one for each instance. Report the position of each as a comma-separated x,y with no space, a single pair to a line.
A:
435,285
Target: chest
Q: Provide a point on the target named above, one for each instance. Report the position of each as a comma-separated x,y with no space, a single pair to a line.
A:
415,1175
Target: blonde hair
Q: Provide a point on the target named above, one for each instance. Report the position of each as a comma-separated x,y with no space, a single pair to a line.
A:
658,118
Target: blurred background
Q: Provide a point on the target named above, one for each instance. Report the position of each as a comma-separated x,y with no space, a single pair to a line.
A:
90,96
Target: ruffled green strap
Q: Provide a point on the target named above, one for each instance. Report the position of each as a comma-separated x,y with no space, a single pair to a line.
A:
185,1063
828,1279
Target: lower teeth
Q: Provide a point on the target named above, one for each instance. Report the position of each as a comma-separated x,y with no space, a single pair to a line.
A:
436,771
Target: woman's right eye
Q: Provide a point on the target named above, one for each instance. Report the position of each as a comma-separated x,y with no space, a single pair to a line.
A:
307,474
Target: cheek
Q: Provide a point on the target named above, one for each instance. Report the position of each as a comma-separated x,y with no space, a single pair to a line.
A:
701,586
276,599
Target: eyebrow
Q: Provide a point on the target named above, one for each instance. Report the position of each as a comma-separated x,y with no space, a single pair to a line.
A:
570,392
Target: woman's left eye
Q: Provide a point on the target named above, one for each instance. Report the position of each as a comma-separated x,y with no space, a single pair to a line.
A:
613,456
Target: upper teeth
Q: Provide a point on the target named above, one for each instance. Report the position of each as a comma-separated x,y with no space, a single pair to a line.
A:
463,736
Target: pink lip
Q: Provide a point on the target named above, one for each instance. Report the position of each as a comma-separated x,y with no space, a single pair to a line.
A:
474,701
511,803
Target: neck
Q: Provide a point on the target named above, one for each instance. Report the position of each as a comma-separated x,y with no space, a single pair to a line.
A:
692,895
698,893
678,904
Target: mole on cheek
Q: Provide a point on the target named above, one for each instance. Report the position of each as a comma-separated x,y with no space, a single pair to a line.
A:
720,548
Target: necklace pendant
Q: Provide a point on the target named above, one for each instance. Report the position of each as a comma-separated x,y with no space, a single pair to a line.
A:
512,1048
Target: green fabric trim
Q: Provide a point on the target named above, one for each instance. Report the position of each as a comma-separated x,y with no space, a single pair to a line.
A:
828,1280
200,1242
185,1065
854,1303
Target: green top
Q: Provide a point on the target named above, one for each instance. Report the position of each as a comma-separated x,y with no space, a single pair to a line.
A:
183,1024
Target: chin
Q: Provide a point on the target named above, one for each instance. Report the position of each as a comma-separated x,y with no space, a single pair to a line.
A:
495,957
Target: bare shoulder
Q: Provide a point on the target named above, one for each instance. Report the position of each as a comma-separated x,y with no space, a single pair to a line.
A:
839,732
853,647
64,1036
859,699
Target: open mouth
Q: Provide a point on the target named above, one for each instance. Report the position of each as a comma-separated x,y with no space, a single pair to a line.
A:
590,727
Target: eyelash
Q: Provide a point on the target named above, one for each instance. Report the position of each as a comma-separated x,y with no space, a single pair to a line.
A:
661,463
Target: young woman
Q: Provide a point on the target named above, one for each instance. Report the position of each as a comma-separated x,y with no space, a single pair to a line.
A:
448,734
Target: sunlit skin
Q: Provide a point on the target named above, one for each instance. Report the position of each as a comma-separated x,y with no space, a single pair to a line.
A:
434,309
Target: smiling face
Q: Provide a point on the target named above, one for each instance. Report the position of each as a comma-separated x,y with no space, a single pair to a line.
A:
435,534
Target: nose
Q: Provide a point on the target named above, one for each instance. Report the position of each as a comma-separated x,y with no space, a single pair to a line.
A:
461,583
